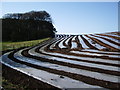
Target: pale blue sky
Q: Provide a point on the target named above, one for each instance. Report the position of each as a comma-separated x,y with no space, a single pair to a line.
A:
73,17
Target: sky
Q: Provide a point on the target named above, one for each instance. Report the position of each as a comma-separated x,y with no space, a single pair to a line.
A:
72,17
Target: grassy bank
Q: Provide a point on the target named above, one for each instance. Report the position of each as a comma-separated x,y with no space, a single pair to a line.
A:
15,45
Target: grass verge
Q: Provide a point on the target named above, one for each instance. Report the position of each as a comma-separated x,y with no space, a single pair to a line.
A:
14,45
4,46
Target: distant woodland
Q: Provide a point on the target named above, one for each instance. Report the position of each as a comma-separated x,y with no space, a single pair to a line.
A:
27,26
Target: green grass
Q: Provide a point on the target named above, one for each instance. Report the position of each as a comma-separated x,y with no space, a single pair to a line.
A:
15,45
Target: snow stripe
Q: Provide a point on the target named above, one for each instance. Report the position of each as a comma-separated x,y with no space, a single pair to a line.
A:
106,42
47,77
113,35
112,39
61,43
96,75
93,43
105,67
91,50
95,54
82,42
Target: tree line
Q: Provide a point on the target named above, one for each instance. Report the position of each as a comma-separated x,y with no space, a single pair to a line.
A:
27,26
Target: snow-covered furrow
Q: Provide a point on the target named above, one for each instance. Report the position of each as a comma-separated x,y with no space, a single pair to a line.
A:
50,41
105,67
68,40
96,75
44,76
76,57
86,60
61,44
74,44
82,43
113,35
54,44
91,50
113,39
93,43
95,54
106,42
73,38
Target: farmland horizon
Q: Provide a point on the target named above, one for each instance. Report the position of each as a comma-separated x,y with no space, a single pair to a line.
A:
87,33
59,45
66,61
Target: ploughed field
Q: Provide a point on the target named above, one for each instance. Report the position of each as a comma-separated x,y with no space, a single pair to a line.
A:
71,61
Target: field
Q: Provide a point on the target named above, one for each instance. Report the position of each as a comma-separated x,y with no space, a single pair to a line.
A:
71,61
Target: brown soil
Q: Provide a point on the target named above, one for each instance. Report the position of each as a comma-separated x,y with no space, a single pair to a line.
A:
79,66
20,78
110,48
28,82
114,37
107,40
85,79
88,44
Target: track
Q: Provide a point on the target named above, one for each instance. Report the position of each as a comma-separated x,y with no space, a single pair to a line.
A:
71,61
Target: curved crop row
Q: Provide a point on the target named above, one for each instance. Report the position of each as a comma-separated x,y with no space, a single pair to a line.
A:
71,61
